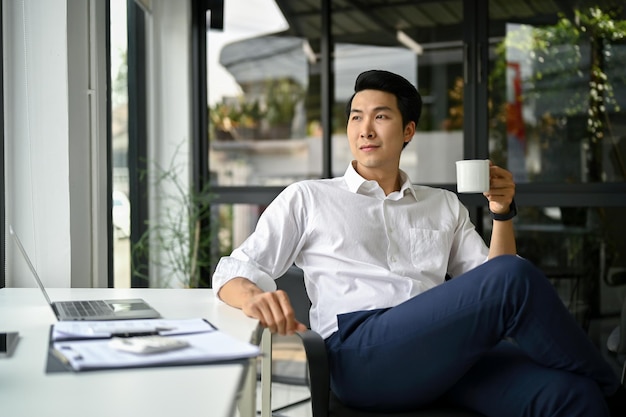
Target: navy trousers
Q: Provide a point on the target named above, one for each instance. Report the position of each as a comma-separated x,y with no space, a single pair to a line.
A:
497,339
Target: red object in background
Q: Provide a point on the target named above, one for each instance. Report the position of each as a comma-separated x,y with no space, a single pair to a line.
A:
514,120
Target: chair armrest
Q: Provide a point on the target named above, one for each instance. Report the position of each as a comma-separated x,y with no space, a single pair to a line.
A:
319,375
266,373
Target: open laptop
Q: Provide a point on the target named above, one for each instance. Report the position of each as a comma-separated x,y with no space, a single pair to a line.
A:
134,308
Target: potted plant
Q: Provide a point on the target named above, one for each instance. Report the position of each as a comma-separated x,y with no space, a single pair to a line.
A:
283,95
177,241
236,121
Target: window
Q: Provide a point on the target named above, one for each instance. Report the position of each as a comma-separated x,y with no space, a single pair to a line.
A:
557,118
497,83
558,97
265,97
260,133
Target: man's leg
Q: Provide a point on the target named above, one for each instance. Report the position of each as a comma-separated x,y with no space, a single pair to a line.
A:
408,355
505,382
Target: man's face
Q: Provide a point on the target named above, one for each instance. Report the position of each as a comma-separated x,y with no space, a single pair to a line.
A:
375,130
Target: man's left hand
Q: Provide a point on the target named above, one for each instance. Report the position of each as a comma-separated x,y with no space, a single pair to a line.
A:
501,189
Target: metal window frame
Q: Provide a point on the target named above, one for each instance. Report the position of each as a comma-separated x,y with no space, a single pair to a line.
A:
137,134
2,144
109,159
201,177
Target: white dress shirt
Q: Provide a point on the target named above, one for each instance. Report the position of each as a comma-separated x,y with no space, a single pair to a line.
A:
359,249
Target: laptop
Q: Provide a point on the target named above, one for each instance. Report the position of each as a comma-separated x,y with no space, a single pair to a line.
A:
124,309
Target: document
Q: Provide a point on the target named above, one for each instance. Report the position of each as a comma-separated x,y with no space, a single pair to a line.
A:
86,345
78,330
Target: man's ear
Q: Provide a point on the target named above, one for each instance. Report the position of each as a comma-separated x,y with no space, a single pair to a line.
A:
409,131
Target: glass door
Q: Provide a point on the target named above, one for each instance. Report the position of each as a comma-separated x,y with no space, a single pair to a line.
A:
557,120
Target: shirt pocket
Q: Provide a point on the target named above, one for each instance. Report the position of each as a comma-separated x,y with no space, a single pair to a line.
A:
430,250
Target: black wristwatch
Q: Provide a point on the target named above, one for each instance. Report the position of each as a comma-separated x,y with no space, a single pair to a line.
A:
506,216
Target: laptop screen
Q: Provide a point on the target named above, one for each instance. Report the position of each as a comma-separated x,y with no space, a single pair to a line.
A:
29,263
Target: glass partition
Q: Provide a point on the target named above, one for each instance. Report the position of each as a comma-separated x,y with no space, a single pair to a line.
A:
235,223
264,92
557,102
555,116
429,53
261,131
558,95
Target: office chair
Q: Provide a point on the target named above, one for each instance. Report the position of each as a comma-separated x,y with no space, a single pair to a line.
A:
323,402
292,282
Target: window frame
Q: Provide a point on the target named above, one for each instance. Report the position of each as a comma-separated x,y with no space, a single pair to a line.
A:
137,135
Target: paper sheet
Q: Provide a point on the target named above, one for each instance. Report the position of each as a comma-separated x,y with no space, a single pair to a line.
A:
206,345
68,330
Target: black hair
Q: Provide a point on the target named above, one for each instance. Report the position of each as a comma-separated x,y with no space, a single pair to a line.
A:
409,99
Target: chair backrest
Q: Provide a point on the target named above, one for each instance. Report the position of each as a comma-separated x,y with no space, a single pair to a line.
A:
292,282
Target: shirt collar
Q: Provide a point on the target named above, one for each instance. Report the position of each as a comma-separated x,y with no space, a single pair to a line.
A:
355,181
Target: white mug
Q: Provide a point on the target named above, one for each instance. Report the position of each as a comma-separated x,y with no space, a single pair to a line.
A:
472,176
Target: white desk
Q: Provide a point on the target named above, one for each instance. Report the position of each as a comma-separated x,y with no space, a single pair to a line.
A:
186,391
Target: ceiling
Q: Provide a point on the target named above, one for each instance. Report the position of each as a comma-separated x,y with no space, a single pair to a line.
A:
436,25
375,22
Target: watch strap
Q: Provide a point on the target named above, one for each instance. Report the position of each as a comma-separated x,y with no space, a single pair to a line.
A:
505,216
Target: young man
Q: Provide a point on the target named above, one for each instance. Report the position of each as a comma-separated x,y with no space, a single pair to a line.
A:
375,251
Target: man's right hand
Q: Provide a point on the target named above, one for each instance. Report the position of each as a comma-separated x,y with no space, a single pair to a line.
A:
273,309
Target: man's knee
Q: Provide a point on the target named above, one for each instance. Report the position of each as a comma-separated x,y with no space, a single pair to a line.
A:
518,270
514,263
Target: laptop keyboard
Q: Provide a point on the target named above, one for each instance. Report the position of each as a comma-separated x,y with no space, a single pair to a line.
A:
85,308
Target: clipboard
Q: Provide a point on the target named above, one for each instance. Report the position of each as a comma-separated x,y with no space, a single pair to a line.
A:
88,350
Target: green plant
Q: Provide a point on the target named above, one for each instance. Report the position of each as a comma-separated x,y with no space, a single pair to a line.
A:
237,120
558,56
250,113
223,116
282,97
177,242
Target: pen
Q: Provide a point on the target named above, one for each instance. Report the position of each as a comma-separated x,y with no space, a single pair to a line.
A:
61,357
67,356
133,334
70,351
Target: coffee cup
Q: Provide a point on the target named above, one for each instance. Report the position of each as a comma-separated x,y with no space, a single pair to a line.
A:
472,176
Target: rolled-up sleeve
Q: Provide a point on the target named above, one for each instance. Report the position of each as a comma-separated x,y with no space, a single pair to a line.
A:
230,267
271,249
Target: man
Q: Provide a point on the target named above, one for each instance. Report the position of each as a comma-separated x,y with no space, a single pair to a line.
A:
375,251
